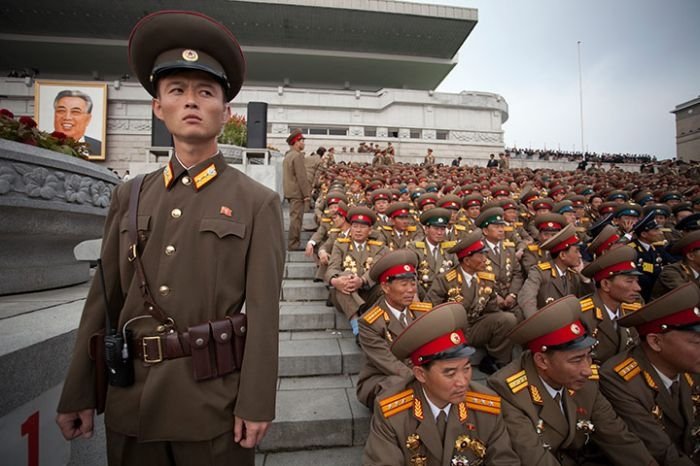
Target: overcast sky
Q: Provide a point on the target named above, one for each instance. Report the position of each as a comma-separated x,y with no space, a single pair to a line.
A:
640,58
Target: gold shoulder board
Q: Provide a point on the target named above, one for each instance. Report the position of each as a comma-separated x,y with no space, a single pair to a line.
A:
508,244
343,240
419,244
630,307
411,228
628,369
533,247
451,275
517,381
689,379
447,244
460,227
507,228
375,242
518,224
650,381
334,230
482,402
397,403
374,314
594,373
486,276
387,227
544,266
420,306
587,304
326,220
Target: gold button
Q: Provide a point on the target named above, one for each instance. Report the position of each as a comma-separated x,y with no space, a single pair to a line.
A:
164,290
175,213
169,250
186,180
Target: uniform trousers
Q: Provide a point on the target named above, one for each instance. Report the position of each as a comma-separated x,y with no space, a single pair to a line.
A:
124,450
296,216
491,332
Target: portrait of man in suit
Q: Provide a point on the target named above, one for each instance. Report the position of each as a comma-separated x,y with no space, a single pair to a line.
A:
72,115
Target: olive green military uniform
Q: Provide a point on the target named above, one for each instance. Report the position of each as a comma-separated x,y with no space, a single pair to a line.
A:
672,276
533,255
398,240
545,284
296,188
428,265
666,426
505,266
403,429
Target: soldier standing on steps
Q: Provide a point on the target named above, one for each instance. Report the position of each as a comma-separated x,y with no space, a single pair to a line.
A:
297,188
207,238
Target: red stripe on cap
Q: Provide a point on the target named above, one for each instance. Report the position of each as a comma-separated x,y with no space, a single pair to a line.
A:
684,317
570,241
567,333
476,246
342,211
399,212
438,345
427,200
361,218
396,270
691,247
333,200
472,202
450,205
295,138
605,245
614,269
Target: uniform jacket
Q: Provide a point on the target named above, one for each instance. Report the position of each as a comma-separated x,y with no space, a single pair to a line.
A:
428,267
543,436
476,420
649,262
544,284
228,249
672,276
533,255
515,233
640,398
295,183
395,241
597,320
345,258
477,299
509,276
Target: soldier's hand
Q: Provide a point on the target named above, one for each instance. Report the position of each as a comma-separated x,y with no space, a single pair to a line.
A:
309,250
323,257
509,301
77,424
500,302
248,433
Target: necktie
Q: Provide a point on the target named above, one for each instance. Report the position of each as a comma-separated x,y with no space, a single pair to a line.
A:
442,425
557,400
361,247
675,394
403,319
435,253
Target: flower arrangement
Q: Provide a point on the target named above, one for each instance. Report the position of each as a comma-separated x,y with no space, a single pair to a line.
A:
24,129
235,131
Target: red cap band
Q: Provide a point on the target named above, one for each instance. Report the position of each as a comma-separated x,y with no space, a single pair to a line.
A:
472,202
399,213
605,245
396,270
691,247
544,205
614,269
501,192
362,219
679,319
333,200
427,200
570,241
295,139
438,345
508,205
567,333
450,205
476,246
342,212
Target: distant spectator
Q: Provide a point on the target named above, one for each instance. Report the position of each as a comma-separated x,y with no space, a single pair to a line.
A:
492,163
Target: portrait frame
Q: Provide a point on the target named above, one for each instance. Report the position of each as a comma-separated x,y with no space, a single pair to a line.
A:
45,93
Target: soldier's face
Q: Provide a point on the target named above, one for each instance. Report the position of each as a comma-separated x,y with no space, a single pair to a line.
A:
510,215
494,232
473,211
679,350
570,218
571,256
401,223
338,220
359,232
435,235
475,262
445,381
622,288
400,292
660,220
569,369
596,202
381,205
191,104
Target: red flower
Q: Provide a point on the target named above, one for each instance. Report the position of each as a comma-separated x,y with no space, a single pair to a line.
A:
59,135
6,113
27,121
30,141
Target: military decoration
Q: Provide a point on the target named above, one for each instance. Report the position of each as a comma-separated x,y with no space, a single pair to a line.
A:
454,295
349,264
585,426
413,443
477,447
424,271
368,263
657,413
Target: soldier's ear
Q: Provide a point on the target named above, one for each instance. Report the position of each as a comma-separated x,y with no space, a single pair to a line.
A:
541,361
654,341
419,374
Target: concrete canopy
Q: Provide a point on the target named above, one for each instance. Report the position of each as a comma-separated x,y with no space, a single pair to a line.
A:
354,44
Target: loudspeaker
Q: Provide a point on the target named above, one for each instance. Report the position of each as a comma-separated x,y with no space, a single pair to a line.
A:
160,136
257,125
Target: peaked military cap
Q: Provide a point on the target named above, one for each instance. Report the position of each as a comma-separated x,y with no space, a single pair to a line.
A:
399,209
185,40
676,310
608,207
630,210
619,261
658,209
557,326
670,196
362,215
562,240
380,194
436,335
436,217
543,203
425,199
490,216
682,207
617,194
688,243
470,244
549,222
294,136
563,206
450,201
472,200
396,264
334,197
689,223
604,240
645,224
597,228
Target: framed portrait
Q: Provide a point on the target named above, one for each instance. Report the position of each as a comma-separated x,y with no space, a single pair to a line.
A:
77,109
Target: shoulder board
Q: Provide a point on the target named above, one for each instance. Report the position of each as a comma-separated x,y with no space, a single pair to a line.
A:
411,228
517,381
508,228
535,395
388,227
451,275
587,304
447,244
533,247
650,381
463,218
375,242
486,276
544,266
665,230
420,306
419,244
632,245
373,314
482,402
334,230
518,224
659,244
689,379
581,229
326,220
343,240
508,244
397,403
594,372
460,228
628,369
630,307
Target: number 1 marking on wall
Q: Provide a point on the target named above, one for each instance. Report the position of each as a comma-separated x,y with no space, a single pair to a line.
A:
30,428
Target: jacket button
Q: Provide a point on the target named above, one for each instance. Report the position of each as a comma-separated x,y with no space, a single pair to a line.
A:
186,180
164,290
176,213
169,250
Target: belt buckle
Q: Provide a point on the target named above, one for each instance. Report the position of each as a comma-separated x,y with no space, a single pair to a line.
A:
146,358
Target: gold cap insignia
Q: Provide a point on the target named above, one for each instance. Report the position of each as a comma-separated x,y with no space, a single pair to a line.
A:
190,55
454,338
407,268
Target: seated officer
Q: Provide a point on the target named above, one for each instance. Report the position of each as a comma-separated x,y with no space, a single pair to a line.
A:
654,386
348,268
380,199
433,257
455,230
396,275
401,229
470,285
547,225
650,258
686,270
321,235
617,293
441,417
548,281
550,398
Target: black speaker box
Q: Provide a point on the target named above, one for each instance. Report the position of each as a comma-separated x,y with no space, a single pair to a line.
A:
257,125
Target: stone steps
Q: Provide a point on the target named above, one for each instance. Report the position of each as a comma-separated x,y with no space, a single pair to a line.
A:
341,456
299,270
303,290
319,352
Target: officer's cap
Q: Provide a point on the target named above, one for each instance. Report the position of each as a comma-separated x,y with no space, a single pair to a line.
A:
604,241
362,215
658,209
561,241
676,310
689,223
185,40
688,243
492,216
396,264
618,194
399,209
474,199
549,222
334,197
294,136
436,217
563,206
630,210
645,224
619,261
450,201
425,199
470,244
436,335
380,194
543,203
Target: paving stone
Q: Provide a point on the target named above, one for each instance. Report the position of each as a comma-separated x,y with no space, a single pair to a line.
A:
298,256
353,357
316,382
344,456
361,416
306,316
299,270
303,290
309,357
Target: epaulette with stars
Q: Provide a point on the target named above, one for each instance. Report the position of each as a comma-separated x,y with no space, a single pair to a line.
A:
373,314
342,240
482,402
586,304
451,275
373,242
397,403
420,306
517,381
533,247
628,369
544,266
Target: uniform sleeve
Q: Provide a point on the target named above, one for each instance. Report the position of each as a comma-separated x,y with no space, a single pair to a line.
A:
437,294
334,263
300,172
639,419
526,442
377,352
382,447
264,269
527,298
517,279
500,451
671,277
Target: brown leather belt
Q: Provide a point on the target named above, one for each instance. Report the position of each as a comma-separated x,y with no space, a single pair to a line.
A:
155,349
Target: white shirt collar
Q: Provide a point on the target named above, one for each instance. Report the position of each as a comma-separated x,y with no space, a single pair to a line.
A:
395,312
551,390
559,271
357,245
666,380
613,314
187,168
431,246
646,246
492,245
467,276
434,409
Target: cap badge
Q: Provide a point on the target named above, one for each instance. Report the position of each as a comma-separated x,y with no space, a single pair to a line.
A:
575,329
407,268
454,338
696,311
190,55
550,224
